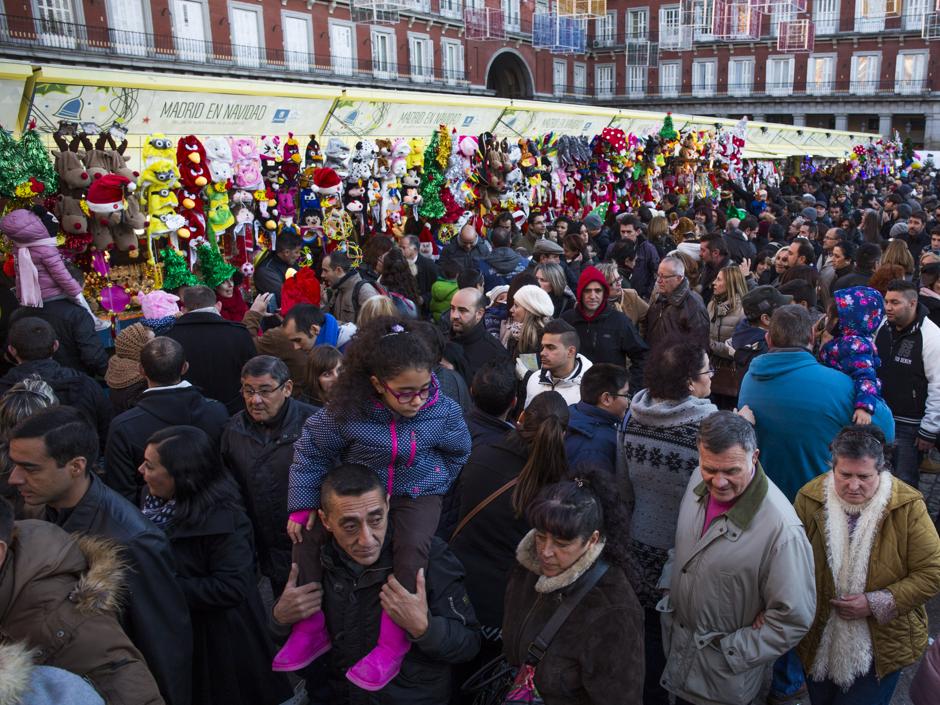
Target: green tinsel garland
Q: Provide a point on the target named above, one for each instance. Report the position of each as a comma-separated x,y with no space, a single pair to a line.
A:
25,159
668,130
175,271
212,267
431,205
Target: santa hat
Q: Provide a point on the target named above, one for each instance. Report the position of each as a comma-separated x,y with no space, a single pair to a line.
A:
106,194
302,288
326,181
426,237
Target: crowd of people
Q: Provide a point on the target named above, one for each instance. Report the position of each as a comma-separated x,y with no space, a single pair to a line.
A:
659,457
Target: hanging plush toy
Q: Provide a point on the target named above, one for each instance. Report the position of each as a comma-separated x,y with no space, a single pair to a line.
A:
219,157
106,200
192,163
158,147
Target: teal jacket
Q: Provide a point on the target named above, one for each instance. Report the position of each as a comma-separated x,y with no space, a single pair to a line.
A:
800,406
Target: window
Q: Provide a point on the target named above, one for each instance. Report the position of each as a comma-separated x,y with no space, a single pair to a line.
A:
342,53
820,74
740,76
559,77
604,81
703,17
189,29
580,79
298,41
56,23
866,73
421,53
421,6
913,14
605,30
670,73
704,73
636,81
451,8
669,26
511,15
452,60
779,75
128,27
245,33
780,13
870,15
638,24
541,6
910,71
384,57
826,16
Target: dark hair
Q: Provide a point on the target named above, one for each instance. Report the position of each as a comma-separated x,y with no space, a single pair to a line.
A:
849,249
501,237
867,256
201,484
929,275
801,291
322,358
339,260
602,377
493,389
622,251
577,507
287,241
569,336
194,297
543,427
724,430
716,242
162,360
32,338
776,233
384,347
375,248
523,278
919,214
573,243
469,279
261,365
7,522
902,286
806,272
449,268
350,480
629,219
857,442
670,367
66,432
749,223
791,326
397,276
305,316
804,250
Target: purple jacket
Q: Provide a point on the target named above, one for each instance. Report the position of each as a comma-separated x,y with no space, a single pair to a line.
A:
25,229
424,453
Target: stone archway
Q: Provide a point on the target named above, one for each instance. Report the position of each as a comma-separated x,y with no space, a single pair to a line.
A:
509,76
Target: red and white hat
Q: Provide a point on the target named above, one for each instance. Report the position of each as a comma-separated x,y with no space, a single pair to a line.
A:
106,194
326,181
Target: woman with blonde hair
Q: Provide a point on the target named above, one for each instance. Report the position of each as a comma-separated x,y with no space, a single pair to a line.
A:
725,309
898,253
551,278
375,307
658,233
531,309
625,300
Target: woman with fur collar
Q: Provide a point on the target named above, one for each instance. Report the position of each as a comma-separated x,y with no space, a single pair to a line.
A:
877,561
597,655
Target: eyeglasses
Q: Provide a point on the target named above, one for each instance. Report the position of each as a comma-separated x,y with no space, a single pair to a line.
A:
408,397
710,372
248,392
664,277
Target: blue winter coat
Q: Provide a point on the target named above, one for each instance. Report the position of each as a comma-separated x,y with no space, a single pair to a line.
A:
800,405
424,453
592,438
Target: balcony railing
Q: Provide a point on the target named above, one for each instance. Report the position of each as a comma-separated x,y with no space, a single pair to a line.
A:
28,37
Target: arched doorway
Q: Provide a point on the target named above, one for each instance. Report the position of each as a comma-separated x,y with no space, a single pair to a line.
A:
509,76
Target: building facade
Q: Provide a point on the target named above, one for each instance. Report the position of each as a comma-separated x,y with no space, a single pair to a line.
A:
869,69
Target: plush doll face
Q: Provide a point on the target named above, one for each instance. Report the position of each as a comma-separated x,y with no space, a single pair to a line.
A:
243,148
162,201
158,146
71,217
71,170
248,175
218,149
243,215
190,200
286,202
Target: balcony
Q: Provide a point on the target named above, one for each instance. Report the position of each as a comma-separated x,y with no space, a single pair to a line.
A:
23,38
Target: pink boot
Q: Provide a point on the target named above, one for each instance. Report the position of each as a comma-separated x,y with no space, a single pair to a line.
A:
380,666
307,642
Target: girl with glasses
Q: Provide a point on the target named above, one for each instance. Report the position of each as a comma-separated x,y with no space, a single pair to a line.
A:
385,412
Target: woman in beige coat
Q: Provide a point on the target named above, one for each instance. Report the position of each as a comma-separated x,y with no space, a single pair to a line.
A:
725,310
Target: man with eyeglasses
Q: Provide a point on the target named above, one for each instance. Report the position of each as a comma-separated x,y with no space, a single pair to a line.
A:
675,310
258,448
169,400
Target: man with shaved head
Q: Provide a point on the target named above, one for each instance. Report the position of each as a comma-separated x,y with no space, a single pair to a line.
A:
467,330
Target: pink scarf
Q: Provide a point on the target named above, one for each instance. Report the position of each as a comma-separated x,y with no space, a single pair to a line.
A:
27,276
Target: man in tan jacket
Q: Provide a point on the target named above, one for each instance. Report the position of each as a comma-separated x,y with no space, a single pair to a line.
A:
60,596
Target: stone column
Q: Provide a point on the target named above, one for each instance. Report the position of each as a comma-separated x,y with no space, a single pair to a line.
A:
842,122
884,125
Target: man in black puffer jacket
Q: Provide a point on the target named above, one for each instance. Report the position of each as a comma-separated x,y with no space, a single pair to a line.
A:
258,448
357,562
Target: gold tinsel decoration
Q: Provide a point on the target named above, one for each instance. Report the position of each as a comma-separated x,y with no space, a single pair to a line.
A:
338,225
355,254
444,146
446,232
